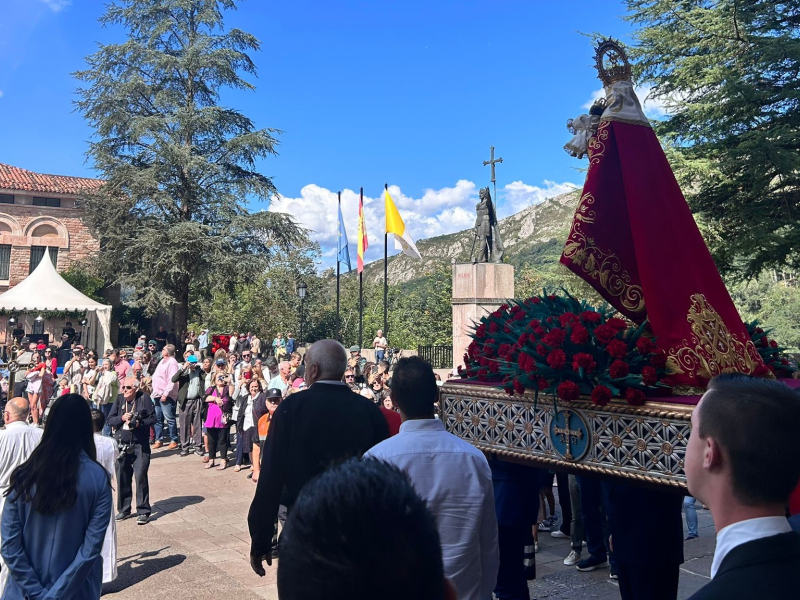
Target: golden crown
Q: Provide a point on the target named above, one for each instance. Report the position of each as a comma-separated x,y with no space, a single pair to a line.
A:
611,62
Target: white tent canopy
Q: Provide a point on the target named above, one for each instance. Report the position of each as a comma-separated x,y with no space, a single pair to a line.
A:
45,289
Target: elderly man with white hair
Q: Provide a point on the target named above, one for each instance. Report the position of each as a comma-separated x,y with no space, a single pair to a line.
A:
281,380
310,430
17,442
131,416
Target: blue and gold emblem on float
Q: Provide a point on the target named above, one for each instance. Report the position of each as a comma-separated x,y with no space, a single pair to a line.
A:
569,434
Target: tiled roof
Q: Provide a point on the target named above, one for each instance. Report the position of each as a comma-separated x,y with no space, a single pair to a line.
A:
14,178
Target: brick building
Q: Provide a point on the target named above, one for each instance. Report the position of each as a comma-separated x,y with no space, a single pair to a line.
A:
39,211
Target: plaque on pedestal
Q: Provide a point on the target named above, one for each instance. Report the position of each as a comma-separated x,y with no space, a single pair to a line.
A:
478,288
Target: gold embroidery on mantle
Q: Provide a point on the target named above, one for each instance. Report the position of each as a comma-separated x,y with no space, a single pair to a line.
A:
713,349
601,266
597,147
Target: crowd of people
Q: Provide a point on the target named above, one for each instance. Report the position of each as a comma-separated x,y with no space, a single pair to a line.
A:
356,472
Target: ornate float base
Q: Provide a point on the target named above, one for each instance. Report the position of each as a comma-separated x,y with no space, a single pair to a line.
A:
646,443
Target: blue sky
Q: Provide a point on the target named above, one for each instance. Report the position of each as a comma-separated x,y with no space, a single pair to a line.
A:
411,93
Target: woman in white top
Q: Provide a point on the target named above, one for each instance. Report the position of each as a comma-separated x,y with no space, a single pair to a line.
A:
107,457
90,378
106,389
245,423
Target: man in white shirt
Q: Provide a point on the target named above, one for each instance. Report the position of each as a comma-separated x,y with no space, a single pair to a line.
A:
452,476
380,344
743,461
17,442
281,380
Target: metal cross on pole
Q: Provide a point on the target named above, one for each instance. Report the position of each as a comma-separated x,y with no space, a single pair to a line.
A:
492,162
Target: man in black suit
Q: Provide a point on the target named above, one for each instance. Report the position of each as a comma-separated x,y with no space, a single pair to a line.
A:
742,460
310,431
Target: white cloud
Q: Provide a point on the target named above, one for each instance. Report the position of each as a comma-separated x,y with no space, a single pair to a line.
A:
436,212
57,5
654,108
518,195
1,93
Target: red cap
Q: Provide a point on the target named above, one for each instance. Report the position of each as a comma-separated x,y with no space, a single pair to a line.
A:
40,346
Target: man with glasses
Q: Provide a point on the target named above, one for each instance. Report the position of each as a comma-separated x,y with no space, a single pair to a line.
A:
131,416
350,380
247,361
121,365
17,442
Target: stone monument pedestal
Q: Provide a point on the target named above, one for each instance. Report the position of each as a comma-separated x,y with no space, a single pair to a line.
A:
478,289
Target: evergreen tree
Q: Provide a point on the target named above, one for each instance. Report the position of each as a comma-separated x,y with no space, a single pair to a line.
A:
173,216
728,71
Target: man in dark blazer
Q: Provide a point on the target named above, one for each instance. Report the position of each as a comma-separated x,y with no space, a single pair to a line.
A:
742,460
310,431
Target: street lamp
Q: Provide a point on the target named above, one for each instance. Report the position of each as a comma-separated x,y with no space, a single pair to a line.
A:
301,292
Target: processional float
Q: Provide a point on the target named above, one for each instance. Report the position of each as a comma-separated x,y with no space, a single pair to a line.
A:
552,380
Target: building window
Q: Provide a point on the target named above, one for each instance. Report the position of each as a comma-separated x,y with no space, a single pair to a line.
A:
6,198
37,252
5,261
51,202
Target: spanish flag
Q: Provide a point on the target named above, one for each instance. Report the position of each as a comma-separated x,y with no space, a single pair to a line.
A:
395,226
363,242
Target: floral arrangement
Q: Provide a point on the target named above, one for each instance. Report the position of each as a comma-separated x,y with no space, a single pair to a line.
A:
773,355
559,345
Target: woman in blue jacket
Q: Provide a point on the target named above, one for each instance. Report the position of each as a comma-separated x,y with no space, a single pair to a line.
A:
57,509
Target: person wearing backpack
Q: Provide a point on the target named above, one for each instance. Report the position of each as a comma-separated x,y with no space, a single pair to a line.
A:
190,379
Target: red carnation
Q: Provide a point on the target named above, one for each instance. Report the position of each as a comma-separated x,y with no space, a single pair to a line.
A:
542,383
483,374
507,328
539,331
557,359
618,369
617,323
481,331
659,359
645,345
518,316
515,309
551,297
535,300
555,338
604,333
649,376
568,390
494,367
634,397
759,330
567,318
541,350
590,316
773,344
601,395
583,360
504,349
580,335
522,339
617,348
493,327
518,387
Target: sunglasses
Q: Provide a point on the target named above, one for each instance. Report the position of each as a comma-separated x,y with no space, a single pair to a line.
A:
48,352
128,387
349,376
246,355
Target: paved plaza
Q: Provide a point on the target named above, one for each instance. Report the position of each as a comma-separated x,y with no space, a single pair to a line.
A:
196,545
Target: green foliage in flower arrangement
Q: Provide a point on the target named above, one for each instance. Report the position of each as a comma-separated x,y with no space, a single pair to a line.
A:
559,345
773,355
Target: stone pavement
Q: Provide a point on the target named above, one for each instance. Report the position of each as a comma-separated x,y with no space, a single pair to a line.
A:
196,545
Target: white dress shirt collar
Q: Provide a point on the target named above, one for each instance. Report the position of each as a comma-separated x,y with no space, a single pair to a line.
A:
742,532
16,424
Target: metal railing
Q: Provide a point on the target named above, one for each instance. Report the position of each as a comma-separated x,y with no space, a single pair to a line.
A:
439,357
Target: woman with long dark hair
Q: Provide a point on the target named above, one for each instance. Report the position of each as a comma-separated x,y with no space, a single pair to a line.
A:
57,510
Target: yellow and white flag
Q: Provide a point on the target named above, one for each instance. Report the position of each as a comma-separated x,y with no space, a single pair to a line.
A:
395,226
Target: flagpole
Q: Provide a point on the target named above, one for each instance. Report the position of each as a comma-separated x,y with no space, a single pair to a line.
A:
385,276
361,289
338,268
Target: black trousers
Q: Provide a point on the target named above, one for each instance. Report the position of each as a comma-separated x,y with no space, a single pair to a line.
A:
129,467
512,583
217,439
563,500
648,581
